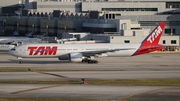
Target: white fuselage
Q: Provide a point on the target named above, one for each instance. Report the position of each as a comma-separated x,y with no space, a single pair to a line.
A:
63,49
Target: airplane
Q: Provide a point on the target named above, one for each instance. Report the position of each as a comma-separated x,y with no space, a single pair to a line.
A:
8,40
5,47
19,39
88,52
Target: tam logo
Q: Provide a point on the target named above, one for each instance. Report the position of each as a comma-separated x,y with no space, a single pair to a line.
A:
43,50
155,34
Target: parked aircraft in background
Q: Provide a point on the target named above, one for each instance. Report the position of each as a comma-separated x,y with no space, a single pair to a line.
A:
18,39
8,40
5,47
87,52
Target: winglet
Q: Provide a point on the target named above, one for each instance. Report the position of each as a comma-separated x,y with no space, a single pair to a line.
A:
150,43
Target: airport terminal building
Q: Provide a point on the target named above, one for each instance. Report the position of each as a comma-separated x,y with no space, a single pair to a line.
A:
146,12
99,17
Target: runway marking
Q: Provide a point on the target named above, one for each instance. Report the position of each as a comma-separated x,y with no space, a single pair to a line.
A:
53,74
138,94
33,89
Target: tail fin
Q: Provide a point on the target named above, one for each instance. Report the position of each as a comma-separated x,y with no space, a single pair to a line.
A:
150,43
154,37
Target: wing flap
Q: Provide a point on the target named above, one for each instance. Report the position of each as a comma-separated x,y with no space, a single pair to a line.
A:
93,53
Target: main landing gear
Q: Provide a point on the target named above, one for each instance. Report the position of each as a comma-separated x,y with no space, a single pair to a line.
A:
90,61
20,60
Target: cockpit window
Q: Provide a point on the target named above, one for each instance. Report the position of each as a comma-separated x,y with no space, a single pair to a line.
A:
13,49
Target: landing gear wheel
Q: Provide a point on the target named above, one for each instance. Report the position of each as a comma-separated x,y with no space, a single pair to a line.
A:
89,61
85,60
92,61
20,62
96,62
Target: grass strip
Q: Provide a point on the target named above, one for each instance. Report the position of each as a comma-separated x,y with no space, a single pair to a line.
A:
104,82
66,99
48,99
8,69
4,69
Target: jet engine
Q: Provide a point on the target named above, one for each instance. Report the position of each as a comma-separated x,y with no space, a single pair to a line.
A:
73,57
101,55
64,57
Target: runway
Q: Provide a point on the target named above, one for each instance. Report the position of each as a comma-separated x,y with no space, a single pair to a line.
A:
150,66
91,75
148,62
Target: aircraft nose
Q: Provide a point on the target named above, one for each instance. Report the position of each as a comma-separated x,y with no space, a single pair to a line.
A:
10,52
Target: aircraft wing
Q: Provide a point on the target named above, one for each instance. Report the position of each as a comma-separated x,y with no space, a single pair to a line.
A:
96,52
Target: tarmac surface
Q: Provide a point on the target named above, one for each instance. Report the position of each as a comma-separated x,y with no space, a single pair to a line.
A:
90,75
149,66
88,91
147,62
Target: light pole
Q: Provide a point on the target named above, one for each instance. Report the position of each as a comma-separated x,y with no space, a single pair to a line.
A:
17,28
65,27
46,32
32,28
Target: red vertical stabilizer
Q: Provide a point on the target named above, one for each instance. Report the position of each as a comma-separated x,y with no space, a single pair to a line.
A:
150,43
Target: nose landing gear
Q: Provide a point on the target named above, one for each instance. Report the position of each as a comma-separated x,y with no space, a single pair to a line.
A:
20,60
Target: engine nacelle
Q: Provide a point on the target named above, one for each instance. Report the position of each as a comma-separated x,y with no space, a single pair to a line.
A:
73,57
101,55
64,57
